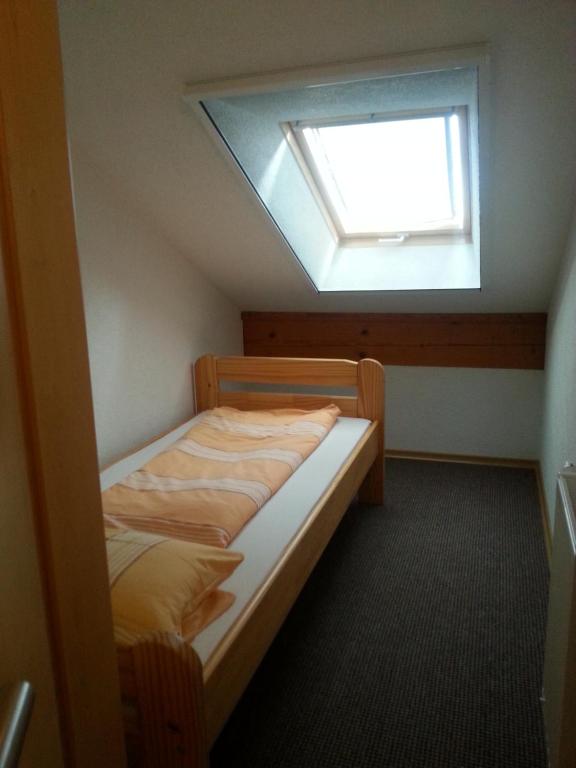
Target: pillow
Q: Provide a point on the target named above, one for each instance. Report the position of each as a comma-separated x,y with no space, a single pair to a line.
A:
160,584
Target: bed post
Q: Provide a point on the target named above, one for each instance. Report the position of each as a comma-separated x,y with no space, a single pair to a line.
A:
206,383
371,406
170,699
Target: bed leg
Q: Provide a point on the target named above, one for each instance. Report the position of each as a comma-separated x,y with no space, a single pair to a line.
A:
170,695
372,488
371,406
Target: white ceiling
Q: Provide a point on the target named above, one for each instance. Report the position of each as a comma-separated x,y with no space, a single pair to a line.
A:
126,63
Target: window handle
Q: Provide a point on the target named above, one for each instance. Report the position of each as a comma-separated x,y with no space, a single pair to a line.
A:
393,239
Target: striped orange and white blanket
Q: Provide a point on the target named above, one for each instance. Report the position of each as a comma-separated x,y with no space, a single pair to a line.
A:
208,485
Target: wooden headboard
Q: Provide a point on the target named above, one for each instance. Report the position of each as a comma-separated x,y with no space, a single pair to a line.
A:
365,377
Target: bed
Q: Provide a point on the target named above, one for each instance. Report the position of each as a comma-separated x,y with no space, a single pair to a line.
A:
177,696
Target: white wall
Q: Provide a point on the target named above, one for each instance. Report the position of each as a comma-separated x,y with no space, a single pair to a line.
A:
24,644
559,427
149,313
480,412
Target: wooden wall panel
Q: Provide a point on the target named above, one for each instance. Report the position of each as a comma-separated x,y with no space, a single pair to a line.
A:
458,340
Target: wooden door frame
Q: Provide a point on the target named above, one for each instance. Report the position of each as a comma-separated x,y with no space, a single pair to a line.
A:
47,323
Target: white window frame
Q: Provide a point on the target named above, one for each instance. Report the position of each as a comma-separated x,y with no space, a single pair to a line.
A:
299,146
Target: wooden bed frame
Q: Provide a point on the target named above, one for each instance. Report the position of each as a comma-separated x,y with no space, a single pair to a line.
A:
174,707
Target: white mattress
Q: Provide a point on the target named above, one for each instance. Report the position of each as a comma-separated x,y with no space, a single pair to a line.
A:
267,535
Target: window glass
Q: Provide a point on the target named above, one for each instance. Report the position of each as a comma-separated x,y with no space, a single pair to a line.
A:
388,176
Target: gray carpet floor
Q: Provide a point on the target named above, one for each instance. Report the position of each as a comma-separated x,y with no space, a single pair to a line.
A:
418,640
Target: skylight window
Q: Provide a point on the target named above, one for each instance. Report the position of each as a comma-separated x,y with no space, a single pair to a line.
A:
389,177
369,172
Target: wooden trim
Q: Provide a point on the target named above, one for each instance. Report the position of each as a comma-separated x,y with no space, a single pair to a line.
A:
426,356
455,340
408,329
47,320
458,458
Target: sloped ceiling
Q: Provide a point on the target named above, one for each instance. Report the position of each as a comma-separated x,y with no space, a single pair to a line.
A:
126,63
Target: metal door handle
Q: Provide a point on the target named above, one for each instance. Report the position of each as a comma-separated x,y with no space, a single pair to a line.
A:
15,709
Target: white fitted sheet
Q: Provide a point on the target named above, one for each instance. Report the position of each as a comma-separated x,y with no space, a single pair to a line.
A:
263,540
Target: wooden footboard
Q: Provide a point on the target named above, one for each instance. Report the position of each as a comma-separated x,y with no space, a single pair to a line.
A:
163,704
174,708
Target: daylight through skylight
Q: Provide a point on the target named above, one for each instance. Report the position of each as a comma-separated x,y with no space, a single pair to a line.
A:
382,176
